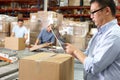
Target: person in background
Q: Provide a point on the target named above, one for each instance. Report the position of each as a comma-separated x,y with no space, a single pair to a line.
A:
101,59
20,31
45,36
66,38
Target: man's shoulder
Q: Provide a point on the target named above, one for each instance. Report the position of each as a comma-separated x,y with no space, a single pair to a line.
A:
16,27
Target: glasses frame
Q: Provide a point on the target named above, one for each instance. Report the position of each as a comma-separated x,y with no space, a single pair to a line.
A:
93,12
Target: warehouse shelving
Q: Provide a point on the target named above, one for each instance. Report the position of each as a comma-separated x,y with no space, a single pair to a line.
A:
70,7
28,10
86,15
20,10
78,8
15,7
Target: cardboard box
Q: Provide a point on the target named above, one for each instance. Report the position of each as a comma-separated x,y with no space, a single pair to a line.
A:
47,66
4,27
20,16
35,26
77,32
3,35
33,16
2,42
79,42
14,43
33,37
2,38
74,2
86,2
50,17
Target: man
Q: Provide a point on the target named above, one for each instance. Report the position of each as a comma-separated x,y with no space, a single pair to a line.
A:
102,61
45,36
20,31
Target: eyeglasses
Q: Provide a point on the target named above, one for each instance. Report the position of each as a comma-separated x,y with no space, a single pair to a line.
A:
97,10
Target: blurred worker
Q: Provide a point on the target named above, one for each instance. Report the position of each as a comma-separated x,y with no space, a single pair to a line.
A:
102,57
46,36
66,37
20,31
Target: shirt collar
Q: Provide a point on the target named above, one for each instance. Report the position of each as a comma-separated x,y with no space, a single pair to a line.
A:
105,27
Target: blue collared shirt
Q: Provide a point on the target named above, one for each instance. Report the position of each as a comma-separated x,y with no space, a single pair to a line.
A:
103,61
46,37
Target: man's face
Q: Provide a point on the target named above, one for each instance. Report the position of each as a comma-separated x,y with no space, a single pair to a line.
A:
20,23
97,14
49,28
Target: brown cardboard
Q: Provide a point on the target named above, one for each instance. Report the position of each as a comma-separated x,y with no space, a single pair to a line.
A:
14,43
46,66
33,37
3,35
2,43
20,16
4,26
74,2
49,17
35,26
2,38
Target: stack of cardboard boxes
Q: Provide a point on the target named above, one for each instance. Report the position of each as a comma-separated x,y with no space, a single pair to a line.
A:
5,27
4,30
43,19
35,27
77,32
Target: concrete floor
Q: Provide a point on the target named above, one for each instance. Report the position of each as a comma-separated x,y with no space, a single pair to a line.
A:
78,71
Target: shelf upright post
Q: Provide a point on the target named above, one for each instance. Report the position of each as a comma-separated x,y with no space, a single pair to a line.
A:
38,4
45,5
81,10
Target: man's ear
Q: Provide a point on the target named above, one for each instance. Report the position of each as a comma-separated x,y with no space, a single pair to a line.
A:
108,11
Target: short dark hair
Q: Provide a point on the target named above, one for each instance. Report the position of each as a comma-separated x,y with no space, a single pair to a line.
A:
20,20
106,3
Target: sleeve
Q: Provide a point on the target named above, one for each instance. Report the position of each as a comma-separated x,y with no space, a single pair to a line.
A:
53,39
104,56
26,31
87,49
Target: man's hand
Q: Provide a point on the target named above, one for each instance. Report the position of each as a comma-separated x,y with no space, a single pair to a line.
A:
70,49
